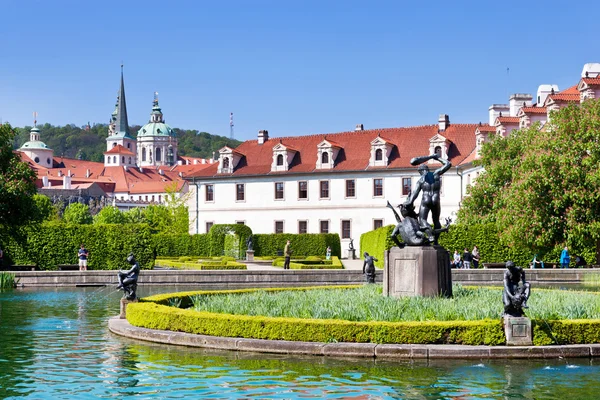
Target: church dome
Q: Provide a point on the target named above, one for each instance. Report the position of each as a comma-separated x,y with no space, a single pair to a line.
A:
156,126
34,142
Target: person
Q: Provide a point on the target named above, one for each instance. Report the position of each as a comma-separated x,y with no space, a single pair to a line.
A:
467,258
535,262
287,252
83,255
369,267
475,254
456,259
564,258
430,184
515,296
580,261
328,253
128,279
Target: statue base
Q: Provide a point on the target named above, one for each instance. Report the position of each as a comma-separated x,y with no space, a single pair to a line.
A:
124,303
351,254
249,255
518,331
417,271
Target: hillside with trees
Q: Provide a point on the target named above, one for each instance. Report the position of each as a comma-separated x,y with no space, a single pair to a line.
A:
90,143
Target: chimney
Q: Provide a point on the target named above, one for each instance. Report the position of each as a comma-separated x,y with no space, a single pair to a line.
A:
60,173
160,172
443,122
496,110
359,127
543,92
88,173
45,181
204,161
181,174
69,173
141,170
518,100
263,136
125,168
66,182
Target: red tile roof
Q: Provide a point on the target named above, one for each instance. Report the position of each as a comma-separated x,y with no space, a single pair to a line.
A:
591,81
119,149
486,128
508,120
355,150
534,110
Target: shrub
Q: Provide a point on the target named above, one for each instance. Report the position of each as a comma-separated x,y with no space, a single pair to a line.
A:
234,248
305,244
376,242
77,214
176,245
334,263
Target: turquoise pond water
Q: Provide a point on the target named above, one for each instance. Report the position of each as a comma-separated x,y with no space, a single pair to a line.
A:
54,344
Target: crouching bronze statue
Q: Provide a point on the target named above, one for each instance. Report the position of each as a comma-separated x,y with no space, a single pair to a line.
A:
128,279
515,296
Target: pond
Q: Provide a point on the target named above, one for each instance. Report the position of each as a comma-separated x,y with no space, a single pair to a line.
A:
54,343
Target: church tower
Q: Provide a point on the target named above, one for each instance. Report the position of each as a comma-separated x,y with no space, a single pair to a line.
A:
37,150
156,141
120,145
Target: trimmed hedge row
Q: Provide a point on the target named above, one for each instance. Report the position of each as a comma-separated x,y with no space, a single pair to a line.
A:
169,245
199,265
304,244
334,263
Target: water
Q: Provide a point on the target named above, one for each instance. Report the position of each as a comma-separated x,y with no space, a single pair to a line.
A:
55,344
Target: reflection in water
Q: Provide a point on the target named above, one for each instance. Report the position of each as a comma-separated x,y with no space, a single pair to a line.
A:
55,344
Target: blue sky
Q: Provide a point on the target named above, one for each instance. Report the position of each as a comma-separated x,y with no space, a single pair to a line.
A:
291,67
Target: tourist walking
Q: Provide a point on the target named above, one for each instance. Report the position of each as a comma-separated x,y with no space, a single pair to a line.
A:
328,253
83,255
475,254
467,258
535,262
564,258
456,259
287,252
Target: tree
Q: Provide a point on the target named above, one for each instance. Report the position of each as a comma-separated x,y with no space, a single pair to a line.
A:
542,186
110,215
43,209
17,182
77,213
134,216
176,202
158,217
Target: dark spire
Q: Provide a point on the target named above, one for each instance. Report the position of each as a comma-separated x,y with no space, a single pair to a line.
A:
122,126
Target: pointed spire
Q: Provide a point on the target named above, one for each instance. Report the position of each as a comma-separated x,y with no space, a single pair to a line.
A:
122,126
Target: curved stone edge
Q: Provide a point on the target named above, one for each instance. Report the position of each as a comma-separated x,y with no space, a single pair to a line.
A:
353,350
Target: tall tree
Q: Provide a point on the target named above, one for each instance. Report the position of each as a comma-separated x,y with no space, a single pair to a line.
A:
542,186
17,182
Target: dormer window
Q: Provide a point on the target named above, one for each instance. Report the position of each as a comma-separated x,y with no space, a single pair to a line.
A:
438,150
381,150
226,163
327,152
282,157
439,145
228,160
279,160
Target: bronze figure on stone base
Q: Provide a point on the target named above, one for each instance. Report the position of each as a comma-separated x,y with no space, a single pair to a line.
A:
515,296
128,279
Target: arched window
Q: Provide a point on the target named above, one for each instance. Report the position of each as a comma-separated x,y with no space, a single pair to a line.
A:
226,163
114,159
280,159
157,154
438,150
143,154
129,160
325,158
129,145
108,159
123,159
114,144
378,155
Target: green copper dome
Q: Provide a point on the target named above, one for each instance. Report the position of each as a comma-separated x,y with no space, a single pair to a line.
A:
156,129
34,145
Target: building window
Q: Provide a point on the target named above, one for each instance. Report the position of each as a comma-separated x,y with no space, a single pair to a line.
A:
114,144
406,186
377,187
123,159
438,151
377,223
325,158
324,226
350,188
159,198
208,226
129,160
240,192
153,198
280,159
210,193
303,190
144,154
324,189
240,222
278,226
115,159
378,155
302,226
108,159
157,154
346,229
145,198
279,190
226,163
129,145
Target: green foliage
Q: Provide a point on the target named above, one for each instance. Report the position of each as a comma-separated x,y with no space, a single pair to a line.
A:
158,217
376,242
134,215
305,244
7,280
17,183
199,264
311,263
542,187
77,214
51,244
217,235
110,215
43,210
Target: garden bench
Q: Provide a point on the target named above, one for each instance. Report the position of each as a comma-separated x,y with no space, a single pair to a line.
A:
68,267
279,253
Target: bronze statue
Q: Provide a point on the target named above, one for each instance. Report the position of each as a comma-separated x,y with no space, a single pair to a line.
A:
410,231
430,185
128,279
249,243
515,296
369,267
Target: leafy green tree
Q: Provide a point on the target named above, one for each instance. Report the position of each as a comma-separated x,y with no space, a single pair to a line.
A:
542,186
176,202
110,215
43,209
158,217
134,216
17,182
77,213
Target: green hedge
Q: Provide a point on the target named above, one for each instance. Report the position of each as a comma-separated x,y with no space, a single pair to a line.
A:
50,244
219,246
199,265
376,242
153,313
169,245
334,263
305,244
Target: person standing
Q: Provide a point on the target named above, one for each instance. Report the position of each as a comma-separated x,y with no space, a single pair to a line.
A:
565,259
456,259
83,255
467,258
328,253
475,254
287,252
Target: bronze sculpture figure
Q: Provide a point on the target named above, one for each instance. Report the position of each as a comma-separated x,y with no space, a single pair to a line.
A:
369,267
128,279
515,296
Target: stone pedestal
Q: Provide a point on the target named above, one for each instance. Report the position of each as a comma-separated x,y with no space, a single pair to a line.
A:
417,271
124,303
518,331
351,254
249,255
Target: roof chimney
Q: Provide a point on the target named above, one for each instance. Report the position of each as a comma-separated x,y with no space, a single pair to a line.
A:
60,173
45,181
359,127
518,100
263,136
160,172
181,174
66,182
141,170
443,122
88,173
125,168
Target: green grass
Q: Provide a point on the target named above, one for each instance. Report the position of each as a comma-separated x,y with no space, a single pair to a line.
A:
368,304
7,280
